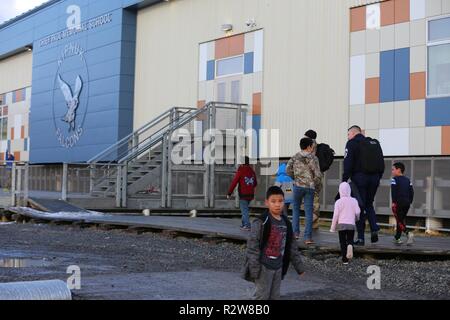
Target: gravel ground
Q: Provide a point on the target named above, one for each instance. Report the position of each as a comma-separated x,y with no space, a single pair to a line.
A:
119,252
429,279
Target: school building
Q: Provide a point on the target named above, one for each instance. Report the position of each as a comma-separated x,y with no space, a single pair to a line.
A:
77,76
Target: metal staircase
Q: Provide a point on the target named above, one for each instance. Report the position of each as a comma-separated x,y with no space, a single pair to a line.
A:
141,166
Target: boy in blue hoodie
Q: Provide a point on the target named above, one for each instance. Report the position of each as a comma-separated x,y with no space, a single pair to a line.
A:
286,184
402,192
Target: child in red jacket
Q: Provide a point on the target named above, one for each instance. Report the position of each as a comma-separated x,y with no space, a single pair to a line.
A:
245,179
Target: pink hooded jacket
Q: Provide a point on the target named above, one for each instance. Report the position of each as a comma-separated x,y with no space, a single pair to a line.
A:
346,209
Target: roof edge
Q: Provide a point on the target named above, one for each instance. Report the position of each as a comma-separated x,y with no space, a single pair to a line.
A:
27,13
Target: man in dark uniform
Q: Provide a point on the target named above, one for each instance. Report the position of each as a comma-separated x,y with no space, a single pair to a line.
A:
367,184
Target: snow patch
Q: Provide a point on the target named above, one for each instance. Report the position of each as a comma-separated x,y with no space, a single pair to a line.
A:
62,214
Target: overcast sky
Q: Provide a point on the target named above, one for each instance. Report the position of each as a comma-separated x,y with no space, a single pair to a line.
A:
12,8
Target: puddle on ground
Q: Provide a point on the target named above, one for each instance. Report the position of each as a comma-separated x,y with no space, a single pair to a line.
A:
23,263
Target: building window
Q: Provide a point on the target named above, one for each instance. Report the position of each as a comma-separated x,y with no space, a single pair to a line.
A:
439,57
2,99
19,95
230,66
4,123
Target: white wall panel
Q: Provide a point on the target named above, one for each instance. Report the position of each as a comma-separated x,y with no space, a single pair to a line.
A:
305,61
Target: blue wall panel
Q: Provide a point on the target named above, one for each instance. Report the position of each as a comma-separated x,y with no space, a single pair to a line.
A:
248,62
102,56
387,76
438,112
402,79
210,70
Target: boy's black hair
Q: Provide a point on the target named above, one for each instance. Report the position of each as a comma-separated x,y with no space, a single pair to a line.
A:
311,134
401,166
305,143
246,160
274,190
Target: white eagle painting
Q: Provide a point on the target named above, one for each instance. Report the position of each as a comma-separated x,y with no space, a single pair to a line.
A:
72,100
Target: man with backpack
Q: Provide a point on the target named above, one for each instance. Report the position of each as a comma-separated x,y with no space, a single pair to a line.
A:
364,165
325,157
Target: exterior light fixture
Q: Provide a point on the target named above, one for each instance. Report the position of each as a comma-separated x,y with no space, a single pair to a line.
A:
227,27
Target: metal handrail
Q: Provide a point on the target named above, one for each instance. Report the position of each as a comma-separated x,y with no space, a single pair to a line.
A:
145,128
182,121
161,133
138,132
154,138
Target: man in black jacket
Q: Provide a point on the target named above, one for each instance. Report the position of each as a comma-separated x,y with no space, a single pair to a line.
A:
367,184
271,248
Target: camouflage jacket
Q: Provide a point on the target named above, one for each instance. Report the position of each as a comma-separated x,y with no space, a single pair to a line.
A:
305,170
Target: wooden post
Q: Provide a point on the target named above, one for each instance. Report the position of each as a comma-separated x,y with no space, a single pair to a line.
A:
212,165
13,185
19,183
118,186
164,173
64,182
26,183
91,178
124,185
428,222
169,158
206,179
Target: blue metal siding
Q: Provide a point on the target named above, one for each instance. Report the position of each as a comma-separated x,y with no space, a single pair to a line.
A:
387,76
438,112
248,62
106,100
402,78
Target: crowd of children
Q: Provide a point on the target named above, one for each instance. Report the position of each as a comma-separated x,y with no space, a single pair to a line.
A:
272,245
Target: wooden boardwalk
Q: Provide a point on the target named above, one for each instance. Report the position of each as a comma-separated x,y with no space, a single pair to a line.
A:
229,229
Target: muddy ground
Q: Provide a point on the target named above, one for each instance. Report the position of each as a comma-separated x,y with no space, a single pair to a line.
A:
120,264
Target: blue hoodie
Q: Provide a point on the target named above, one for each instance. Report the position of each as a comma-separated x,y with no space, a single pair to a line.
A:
286,183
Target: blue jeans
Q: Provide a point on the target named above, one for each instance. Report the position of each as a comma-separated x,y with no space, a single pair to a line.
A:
244,204
367,187
308,195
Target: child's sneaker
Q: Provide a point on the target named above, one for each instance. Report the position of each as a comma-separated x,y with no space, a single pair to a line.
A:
398,241
349,252
410,240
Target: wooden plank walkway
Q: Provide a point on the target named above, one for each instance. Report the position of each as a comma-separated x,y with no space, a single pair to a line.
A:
229,229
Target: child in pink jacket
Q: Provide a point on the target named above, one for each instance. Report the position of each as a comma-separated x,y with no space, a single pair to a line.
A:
346,213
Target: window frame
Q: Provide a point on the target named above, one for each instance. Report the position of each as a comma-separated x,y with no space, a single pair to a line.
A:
231,74
430,44
1,123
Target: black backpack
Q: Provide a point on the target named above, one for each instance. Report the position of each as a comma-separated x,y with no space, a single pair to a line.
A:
325,155
371,154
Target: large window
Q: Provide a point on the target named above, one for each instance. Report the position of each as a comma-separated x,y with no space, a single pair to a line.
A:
439,57
230,66
4,123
